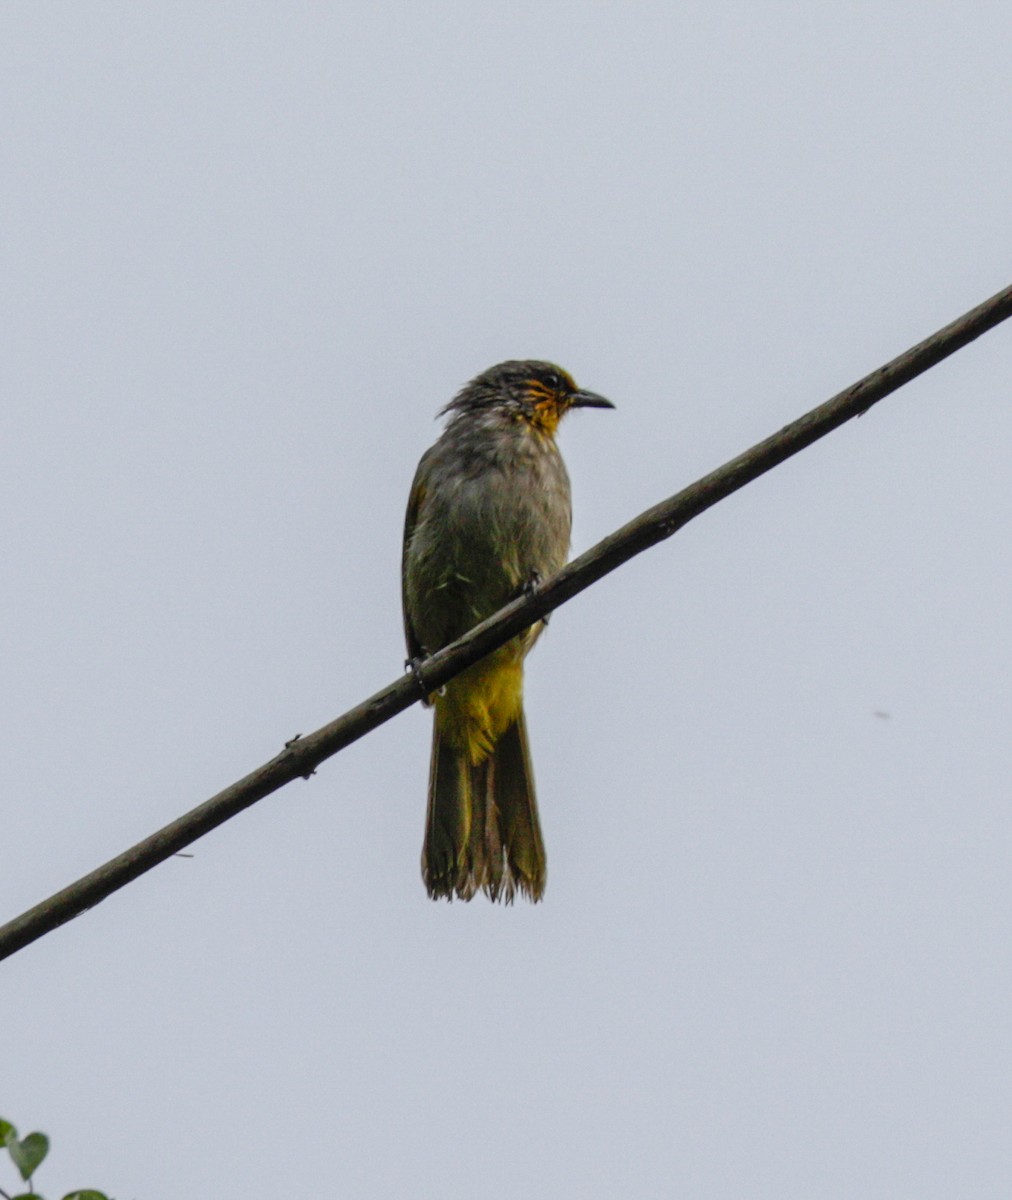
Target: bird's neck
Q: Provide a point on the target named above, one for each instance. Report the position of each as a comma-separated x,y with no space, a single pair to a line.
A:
543,417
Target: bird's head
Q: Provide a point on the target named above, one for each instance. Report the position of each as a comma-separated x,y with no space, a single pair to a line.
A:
539,393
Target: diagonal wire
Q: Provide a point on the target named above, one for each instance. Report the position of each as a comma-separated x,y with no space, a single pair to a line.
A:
301,756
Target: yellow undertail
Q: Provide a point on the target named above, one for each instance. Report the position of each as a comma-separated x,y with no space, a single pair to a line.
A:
482,830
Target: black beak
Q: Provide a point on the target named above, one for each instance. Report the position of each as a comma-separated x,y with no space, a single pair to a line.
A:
588,400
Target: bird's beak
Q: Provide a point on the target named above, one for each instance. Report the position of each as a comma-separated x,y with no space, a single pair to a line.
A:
588,400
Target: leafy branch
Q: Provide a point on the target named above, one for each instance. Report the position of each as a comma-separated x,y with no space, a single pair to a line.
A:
27,1154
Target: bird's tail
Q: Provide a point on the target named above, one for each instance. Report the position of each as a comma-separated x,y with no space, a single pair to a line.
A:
481,828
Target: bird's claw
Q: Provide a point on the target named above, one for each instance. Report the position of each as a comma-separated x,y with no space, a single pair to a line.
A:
414,665
532,587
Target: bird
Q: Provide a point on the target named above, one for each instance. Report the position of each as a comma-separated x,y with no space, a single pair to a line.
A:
488,519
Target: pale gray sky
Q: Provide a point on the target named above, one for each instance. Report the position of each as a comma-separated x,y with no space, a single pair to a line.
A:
248,251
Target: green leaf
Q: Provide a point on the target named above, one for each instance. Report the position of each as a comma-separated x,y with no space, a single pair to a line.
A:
86,1194
28,1153
27,1196
7,1132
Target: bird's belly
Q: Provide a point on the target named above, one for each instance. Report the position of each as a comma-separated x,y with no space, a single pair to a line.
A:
479,552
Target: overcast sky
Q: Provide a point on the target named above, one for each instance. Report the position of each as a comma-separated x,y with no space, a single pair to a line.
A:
248,251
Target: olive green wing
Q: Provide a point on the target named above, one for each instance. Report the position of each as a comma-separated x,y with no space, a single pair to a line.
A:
415,501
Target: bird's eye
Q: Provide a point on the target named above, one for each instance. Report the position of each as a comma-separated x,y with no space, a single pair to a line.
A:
553,381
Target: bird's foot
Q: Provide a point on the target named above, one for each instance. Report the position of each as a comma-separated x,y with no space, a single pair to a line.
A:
414,665
531,587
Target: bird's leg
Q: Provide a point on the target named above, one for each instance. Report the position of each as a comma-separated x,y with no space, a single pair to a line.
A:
531,588
414,665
